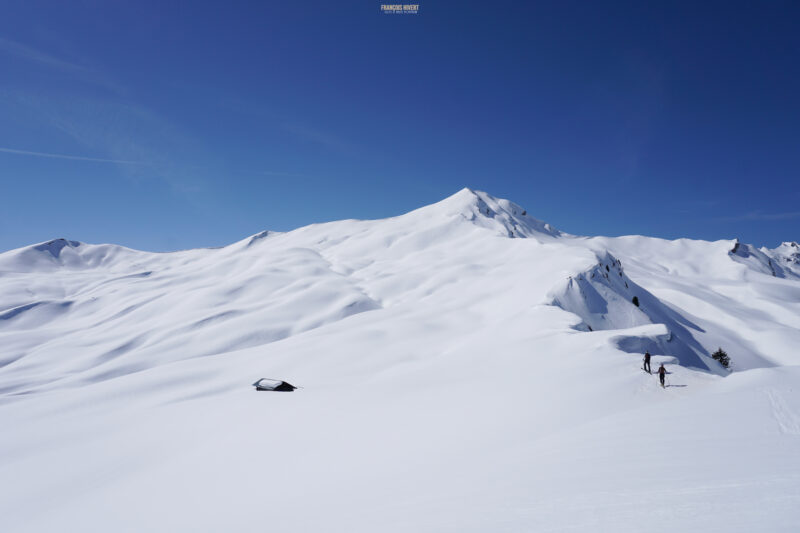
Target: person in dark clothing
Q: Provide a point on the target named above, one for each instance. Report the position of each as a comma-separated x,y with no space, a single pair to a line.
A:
662,373
647,362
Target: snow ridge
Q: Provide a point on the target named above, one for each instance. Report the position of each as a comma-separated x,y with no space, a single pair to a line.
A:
767,261
786,256
605,298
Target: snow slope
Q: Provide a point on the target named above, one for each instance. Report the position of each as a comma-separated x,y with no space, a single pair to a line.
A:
464,367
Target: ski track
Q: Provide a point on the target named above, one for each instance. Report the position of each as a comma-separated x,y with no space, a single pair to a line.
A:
787,419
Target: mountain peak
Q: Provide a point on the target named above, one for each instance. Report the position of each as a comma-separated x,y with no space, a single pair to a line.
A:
485,210
55,246
62,253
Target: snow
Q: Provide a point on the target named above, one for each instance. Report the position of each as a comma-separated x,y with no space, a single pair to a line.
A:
450,381
268,384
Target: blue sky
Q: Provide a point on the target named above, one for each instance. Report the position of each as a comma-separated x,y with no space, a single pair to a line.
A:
163,127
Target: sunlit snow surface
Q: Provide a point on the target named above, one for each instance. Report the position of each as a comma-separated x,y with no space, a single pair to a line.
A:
464,367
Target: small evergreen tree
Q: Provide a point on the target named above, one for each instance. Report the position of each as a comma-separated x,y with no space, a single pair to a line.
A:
635,301
721,356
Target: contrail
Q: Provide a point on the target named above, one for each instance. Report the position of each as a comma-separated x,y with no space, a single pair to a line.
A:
72,157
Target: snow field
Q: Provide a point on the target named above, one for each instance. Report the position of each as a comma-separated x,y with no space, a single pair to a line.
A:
444,386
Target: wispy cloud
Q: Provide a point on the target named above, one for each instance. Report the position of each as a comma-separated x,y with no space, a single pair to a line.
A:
81,72
274,173
73,157
693,205
282,121
119,130
323,138
31,54
143,145
761,216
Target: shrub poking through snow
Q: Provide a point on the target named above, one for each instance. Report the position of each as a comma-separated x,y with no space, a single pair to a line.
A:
635,301
721,356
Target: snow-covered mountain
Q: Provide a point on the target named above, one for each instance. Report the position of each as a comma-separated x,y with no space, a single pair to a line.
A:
464,367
